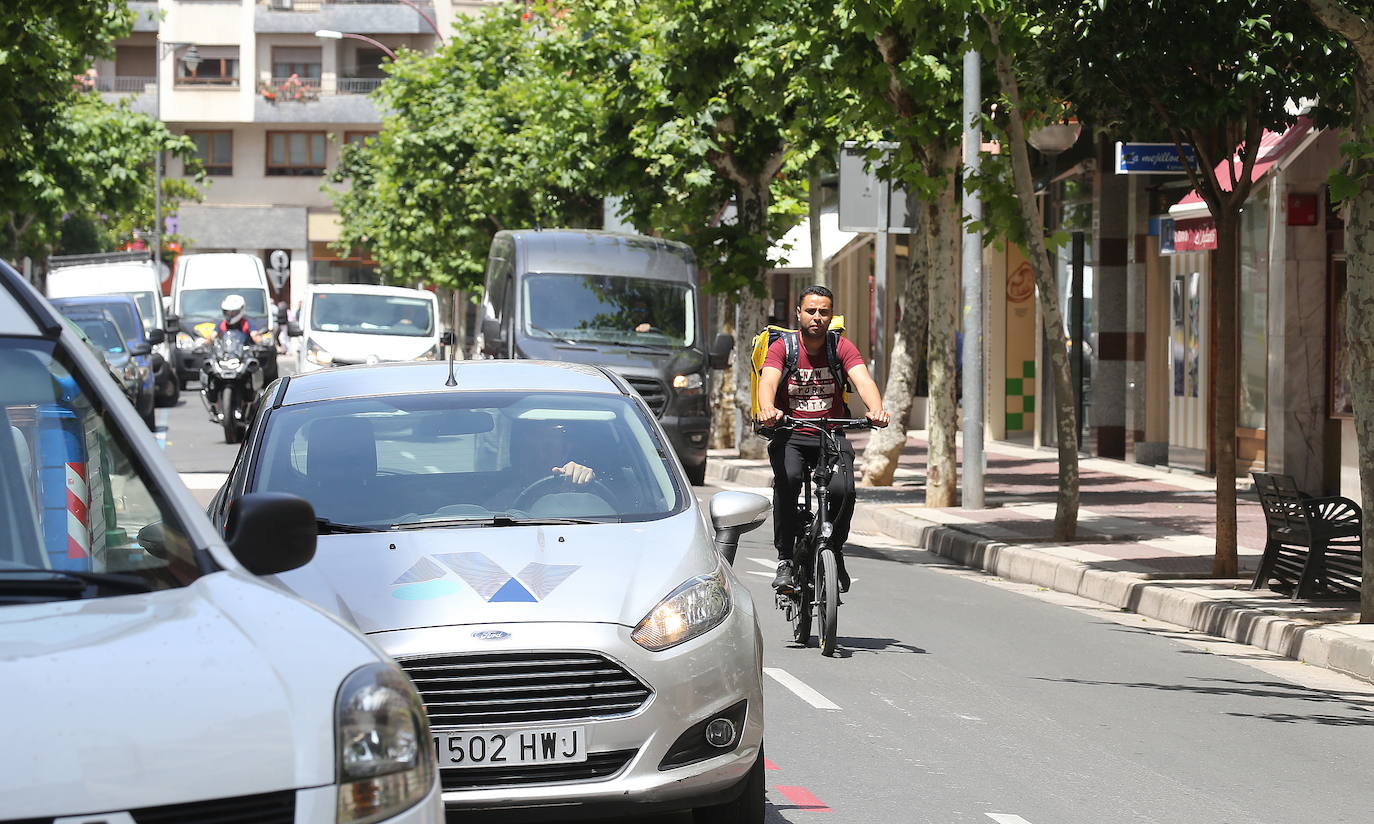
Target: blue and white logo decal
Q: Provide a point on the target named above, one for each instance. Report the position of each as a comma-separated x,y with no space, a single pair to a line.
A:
428,578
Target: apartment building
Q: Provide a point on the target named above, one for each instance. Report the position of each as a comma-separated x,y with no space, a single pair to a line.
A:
269,91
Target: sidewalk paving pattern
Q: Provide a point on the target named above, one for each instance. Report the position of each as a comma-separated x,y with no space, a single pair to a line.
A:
1145,544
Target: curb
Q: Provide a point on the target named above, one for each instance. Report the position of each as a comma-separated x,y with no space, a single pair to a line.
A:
1203,605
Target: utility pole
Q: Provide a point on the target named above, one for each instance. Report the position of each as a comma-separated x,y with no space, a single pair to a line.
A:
972,266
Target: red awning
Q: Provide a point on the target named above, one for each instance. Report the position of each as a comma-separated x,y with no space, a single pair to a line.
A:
1274,146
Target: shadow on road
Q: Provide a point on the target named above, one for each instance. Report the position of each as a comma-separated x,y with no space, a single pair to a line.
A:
1359,705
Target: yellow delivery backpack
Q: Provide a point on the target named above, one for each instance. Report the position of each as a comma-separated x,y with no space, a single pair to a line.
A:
791,339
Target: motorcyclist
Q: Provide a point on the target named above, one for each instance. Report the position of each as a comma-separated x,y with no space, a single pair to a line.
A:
812,392
236,320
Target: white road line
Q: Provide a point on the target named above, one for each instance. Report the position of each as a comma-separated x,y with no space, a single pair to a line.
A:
801,690
1006,818
760,574
764,562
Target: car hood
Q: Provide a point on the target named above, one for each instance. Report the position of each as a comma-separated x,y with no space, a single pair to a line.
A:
646,361
598,573
355,347
201,692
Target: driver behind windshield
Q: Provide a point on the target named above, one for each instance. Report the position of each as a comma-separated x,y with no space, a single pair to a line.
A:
540,449
236,320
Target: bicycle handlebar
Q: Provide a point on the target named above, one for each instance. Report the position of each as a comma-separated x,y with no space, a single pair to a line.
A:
829,424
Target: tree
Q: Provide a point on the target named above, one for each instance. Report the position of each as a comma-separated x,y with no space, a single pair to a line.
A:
1353,22
1213,77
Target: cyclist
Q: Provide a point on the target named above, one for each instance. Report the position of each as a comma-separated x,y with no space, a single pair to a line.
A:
812,391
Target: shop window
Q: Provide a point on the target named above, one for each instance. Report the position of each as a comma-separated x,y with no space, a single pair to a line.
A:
215,151
295,153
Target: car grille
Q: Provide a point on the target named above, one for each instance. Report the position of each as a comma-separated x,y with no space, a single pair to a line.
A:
523,687
598,765
268,808
652,391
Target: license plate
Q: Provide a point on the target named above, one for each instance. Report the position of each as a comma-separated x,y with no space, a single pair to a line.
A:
494,748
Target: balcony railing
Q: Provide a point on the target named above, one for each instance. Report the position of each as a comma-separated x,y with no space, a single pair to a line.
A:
318,5
358,85
130,85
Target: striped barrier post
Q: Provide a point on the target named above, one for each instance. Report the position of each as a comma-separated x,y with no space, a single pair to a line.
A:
65,488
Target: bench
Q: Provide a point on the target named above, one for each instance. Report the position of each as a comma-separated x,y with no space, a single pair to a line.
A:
1312,545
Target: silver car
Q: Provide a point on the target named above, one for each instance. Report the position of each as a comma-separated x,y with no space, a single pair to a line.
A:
519,536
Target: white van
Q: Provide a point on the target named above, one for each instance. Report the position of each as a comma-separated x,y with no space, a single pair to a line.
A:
350,323
152,670
139,280
200,284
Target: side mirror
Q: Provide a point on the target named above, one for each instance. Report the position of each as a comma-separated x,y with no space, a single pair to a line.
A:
492,343
156,336
140,349
153,540
732,515
271,532
293,330
720,351
173,324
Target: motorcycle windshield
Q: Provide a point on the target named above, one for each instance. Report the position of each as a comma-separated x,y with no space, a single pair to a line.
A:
229,345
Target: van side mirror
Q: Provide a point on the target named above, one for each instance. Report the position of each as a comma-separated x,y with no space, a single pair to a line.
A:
141,349
492,342
720,351
293,330
732,515
156,336
271,532
173,324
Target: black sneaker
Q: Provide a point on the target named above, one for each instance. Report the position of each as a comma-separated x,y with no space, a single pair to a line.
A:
843,574
784,580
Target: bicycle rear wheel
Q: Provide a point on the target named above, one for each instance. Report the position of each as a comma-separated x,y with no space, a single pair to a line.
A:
828,601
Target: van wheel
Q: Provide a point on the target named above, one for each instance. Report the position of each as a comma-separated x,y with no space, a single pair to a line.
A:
167,387
697,474
748,808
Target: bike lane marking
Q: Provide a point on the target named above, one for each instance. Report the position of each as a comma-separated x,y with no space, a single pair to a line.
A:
800,689
804,799
1006,818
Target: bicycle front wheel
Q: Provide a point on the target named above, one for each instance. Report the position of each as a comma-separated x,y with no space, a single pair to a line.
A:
828,601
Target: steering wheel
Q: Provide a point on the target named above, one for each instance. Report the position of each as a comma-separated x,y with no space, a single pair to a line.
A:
544,485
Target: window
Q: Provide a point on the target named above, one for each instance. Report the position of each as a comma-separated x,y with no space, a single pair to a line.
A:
219,66
215,151
295,153
304,63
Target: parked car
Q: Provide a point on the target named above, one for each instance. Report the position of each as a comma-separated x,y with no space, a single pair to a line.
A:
140,647
346,324
102,337
520,537
626,302
72,277
200,284
124,341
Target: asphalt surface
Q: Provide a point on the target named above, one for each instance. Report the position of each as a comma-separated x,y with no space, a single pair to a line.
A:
958,697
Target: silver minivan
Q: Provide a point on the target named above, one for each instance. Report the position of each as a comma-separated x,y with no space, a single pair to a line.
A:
625,302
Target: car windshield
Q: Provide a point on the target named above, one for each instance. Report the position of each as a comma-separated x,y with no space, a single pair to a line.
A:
372,314
102,333
147,308
609,309
396,461
73,497
204,304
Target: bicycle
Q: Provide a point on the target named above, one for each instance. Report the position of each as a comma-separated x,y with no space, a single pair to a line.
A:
816,592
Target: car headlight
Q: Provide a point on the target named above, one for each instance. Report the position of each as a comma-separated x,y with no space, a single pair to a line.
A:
386,761
697,606
430,353
316,354
692,384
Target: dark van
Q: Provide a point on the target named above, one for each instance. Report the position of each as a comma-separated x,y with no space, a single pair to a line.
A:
626,302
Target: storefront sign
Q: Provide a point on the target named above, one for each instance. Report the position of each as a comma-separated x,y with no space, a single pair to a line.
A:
1152,159
1195,235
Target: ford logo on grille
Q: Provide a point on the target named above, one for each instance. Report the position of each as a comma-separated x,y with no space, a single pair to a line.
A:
491,635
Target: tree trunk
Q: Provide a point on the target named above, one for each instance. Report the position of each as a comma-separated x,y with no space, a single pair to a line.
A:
814,195
942,476
751,313
879,462
1066,415
723,380
1226,349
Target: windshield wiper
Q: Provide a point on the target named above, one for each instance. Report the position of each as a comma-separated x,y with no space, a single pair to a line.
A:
554,335
324,526
634,345
64,580
501,520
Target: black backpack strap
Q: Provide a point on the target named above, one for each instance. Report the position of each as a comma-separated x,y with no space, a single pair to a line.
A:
832,356
791,342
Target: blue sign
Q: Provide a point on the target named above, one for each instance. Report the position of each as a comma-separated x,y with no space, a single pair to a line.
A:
1152,159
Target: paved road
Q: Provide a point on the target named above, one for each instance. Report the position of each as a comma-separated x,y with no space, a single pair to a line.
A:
961,698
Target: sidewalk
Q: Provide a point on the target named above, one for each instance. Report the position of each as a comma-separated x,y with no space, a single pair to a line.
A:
1145,544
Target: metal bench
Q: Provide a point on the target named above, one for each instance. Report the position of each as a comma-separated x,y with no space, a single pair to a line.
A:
1312,547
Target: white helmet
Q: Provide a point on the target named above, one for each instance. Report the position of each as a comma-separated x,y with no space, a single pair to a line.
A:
233,309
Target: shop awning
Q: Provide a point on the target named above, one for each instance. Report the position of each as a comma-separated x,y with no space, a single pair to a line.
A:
1274,146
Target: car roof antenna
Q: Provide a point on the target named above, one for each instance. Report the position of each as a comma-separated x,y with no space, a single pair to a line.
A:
447,339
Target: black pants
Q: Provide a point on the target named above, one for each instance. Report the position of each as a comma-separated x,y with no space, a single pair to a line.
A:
793,455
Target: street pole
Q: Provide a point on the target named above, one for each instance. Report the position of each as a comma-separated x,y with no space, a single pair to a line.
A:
880,283
972,265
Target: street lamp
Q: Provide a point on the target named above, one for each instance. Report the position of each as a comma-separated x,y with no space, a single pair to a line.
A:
191,59
329,34
427,18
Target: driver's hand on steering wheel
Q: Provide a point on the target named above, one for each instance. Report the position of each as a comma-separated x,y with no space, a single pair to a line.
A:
575,472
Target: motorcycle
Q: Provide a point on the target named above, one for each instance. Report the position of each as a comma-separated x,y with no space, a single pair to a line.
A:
230,380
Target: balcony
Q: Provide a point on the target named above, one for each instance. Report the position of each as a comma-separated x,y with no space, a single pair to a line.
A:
370,16
140,91
311,100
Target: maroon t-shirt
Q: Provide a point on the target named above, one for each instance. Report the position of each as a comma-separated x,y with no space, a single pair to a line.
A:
812,391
